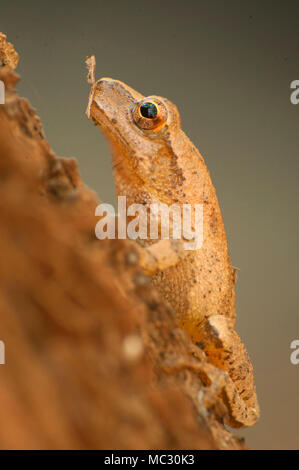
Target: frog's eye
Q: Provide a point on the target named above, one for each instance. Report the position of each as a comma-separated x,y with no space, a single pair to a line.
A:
148,110
150,114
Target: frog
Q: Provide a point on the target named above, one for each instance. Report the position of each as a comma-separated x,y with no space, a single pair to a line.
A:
155,162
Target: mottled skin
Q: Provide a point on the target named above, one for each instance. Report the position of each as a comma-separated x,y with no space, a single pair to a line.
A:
162,165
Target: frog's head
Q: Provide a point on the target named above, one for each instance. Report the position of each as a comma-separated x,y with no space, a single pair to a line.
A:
143,135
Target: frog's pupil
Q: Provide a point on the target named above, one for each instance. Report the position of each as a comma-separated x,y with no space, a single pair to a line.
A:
148,110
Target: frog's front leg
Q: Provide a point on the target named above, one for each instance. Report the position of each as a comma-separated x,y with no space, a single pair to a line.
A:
224,348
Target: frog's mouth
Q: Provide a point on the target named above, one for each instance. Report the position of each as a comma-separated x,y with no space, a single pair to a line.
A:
111,131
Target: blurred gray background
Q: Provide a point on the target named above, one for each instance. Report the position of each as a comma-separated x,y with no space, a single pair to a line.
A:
228,67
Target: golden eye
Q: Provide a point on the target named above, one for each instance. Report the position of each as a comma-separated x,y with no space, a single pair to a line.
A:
150,114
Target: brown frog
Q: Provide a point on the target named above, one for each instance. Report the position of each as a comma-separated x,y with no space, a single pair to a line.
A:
155,162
